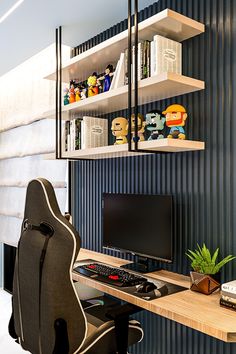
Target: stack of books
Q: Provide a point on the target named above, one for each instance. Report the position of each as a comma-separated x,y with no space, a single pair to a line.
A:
228,295
85,132
155,57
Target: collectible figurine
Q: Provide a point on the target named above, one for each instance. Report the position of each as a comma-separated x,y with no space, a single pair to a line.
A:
107,78
72,92
155,122
141,126
120,130
175,119
77,94
66,96
92,85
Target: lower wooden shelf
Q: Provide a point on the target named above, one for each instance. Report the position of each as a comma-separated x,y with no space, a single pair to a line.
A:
112,151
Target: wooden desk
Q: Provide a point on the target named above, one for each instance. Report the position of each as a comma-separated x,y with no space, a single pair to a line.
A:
195,310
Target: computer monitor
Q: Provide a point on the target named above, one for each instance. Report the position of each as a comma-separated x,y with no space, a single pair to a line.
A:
139,224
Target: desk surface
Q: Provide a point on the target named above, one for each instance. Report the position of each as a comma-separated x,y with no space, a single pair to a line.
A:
192,309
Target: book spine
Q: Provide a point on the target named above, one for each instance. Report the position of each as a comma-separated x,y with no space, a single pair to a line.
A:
82,135
144,71
148,58
72,135
77,134
228,293
126,80
153,57
139,61
228,304
67,136
228,298
229,288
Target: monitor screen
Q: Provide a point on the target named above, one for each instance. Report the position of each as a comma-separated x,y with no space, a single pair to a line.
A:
140,224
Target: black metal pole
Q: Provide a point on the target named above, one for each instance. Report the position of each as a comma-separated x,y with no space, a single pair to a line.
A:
136,73
56,142
129,74
60,93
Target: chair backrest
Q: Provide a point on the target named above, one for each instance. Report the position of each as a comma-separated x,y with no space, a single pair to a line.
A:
48,316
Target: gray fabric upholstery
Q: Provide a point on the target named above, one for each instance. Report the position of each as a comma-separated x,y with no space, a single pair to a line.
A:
102,340
34,319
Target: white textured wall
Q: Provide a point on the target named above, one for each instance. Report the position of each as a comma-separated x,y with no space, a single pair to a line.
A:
25,137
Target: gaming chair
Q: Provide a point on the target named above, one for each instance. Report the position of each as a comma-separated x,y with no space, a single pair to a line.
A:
48,317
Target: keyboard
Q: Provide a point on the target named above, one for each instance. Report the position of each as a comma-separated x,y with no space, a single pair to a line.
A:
107,274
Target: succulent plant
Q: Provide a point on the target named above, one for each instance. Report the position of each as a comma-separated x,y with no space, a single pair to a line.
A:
203,262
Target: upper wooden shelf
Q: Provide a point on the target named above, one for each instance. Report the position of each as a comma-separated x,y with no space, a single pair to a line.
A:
154,88
167,23
112,151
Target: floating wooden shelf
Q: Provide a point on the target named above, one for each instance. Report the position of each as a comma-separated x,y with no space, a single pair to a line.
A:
151,89
167,23
112,151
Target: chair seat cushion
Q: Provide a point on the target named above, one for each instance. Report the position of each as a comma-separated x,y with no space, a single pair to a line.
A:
101,336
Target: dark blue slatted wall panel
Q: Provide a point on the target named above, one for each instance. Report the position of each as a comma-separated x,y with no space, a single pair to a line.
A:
202,182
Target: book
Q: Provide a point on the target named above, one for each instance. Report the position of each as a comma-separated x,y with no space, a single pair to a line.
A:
228,304
227,293
166,56
78,133
228,298
230,287
72,135
126,74
94,132
67,136
114,76
118,79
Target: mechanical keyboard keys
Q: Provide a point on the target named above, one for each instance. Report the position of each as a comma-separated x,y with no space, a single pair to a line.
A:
108,274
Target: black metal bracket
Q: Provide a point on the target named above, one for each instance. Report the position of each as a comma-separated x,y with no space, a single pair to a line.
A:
135,71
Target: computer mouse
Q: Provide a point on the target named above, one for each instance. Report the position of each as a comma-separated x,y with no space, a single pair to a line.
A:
146,287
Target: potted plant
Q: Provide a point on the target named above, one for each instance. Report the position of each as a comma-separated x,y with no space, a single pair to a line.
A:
205,277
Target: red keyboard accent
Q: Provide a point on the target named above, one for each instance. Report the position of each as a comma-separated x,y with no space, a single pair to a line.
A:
113,277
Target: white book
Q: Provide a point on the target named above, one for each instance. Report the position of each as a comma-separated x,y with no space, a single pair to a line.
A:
230,287
114,76
94,132
153,59
120,71
72,135
167,55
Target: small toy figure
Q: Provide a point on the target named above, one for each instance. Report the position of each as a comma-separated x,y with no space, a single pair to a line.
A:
120,130
141,126
72,92
66,96
175,119
155,122
92,85
77,94
107,77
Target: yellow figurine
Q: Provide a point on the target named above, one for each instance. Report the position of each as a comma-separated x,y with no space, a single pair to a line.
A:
92,85
119,129
141,126
77,94
176,116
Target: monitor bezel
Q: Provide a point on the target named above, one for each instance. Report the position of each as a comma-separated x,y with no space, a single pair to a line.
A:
121,250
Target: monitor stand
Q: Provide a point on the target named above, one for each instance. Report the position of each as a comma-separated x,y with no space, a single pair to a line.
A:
143,265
